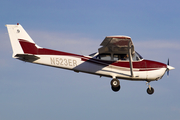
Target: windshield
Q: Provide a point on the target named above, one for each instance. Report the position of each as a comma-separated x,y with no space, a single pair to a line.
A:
92,55
139,55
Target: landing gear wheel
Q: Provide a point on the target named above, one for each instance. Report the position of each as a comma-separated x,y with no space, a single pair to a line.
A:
116,89
115,83
150,90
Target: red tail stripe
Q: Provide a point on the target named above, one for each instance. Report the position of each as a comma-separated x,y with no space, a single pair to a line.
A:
28,47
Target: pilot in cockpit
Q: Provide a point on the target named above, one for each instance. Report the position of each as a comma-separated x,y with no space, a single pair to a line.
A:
124,57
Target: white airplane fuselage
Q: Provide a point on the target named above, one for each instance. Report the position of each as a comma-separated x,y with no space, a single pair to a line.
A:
144,70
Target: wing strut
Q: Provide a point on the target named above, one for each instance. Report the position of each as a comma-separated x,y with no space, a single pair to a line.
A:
130,59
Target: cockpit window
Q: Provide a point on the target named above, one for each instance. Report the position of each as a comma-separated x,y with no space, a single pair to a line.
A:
104,56
118,57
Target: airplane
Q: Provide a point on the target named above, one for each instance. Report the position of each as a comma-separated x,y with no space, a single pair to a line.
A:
116,58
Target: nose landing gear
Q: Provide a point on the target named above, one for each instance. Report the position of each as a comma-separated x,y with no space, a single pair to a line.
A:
150,90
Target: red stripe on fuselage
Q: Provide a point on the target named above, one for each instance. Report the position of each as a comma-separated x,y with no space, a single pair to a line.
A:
153,64
148,64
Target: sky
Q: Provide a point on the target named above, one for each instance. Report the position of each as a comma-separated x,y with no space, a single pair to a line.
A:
35,92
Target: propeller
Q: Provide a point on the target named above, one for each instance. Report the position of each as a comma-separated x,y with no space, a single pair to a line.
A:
169,67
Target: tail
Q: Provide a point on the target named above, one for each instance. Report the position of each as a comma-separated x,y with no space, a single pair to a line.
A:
22,44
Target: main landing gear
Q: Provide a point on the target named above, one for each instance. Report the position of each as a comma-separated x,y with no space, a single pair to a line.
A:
115,85
150,90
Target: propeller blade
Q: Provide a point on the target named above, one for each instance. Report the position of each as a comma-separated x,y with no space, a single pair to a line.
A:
167,68
168,73
168,62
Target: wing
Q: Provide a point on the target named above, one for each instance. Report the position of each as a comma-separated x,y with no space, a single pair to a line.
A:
116,45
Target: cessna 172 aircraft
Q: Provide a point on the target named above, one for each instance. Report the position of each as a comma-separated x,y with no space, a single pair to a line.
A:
116,59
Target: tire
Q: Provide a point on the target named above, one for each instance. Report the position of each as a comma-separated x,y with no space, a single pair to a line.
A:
150,92
116,89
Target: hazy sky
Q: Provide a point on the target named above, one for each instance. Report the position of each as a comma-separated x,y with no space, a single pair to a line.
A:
34,92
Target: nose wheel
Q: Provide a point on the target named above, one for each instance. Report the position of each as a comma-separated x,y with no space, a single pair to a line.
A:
150,90
115,85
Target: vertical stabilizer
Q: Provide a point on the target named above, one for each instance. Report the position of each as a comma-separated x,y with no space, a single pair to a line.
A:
17,33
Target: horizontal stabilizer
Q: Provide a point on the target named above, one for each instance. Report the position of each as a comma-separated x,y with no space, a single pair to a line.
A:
26,57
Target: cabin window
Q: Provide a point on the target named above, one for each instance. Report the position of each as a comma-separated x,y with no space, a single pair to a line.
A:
120,57
104,56
116,57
